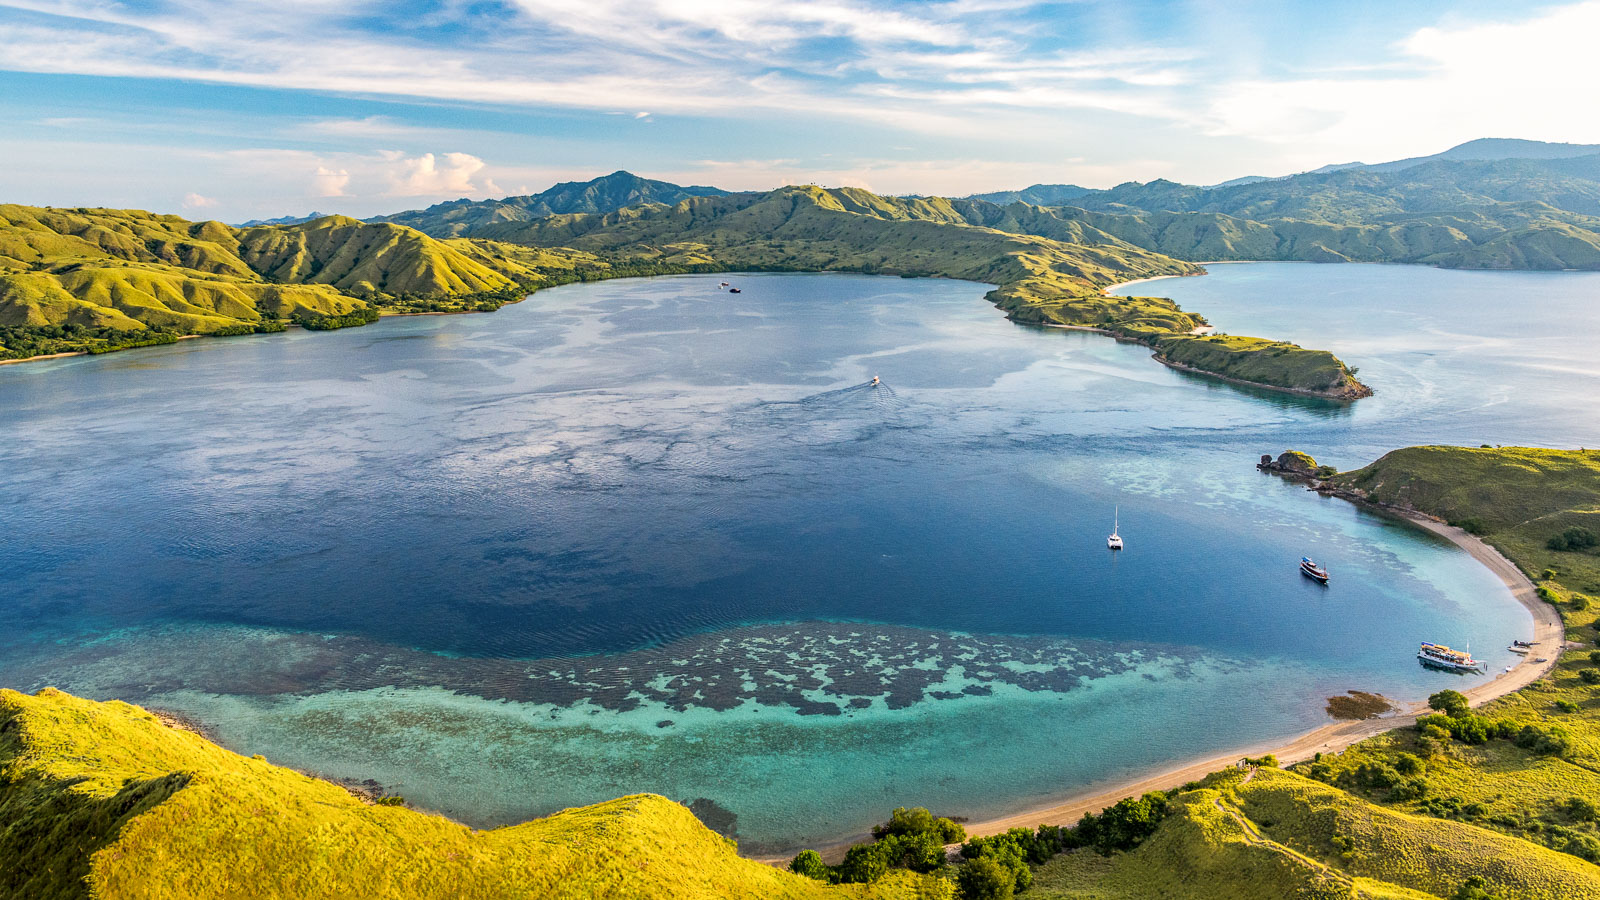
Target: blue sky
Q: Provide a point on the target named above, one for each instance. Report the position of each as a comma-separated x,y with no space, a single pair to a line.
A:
245,109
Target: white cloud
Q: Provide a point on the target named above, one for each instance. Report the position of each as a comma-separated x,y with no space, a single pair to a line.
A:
326,182
1528,78
193,200
428,176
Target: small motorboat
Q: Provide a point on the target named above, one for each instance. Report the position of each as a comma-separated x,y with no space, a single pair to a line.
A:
1115,540
1527,644
875,381
734,291
1313,571
723,284
1515,648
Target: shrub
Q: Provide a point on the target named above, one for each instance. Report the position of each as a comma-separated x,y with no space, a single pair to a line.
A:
1474,888
919,821
1566,706
1580,808
1408,764
917,852
809,863
1594,657
1552,741
1573,539
1007,851
1451,703
984,879
1589,676
1269,761
1579,602
862,864
1471,525
1125,825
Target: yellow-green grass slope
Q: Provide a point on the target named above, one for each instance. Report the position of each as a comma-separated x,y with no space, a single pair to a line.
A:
103,800
1041,280
131,271
1285,836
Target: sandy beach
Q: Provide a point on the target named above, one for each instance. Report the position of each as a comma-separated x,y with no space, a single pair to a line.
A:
1336,736
1331,738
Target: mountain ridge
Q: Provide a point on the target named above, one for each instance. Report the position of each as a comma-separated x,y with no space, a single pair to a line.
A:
455,218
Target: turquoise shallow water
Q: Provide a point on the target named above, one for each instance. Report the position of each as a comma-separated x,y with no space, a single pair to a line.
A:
646,535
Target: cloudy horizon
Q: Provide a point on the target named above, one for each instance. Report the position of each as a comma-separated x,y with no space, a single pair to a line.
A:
250,110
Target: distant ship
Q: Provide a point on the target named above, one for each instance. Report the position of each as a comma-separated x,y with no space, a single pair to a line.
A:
875,381
733,290
724,284
1313,571
1115,540
1438,656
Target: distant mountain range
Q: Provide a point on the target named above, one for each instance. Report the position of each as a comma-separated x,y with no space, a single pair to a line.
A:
601,195
1038,195
286,220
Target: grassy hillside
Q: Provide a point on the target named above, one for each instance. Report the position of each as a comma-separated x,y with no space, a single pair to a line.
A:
1516,498
1281,835
1501,214
1053,279
99,279
103,800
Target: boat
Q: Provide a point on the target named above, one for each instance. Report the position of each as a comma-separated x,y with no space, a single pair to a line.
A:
874,381
1313,571
723,284
734,291
1515,648
1438,656
1115,540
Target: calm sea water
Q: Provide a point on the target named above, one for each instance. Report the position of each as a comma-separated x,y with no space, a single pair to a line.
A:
650,536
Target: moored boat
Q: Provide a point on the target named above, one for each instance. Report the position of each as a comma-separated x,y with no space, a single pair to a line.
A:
1438,656
1313,571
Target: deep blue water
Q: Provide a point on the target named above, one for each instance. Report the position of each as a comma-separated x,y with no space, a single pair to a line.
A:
647,535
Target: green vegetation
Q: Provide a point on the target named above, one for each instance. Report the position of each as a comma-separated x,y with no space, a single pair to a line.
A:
1529,503
103,800
98,280
1503,214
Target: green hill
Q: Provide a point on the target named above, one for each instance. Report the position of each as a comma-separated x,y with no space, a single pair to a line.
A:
99,279
600,195
103,800
1053,279
1517,498
355,256
1281,835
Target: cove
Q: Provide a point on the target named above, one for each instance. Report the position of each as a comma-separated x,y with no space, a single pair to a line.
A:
649,536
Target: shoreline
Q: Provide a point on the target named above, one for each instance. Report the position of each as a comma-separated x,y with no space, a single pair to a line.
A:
1335,736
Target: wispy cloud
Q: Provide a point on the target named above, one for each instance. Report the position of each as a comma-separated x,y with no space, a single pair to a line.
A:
402,103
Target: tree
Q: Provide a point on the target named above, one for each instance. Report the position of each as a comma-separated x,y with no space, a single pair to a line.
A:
863,864
809,863
918,820
1451,703
985,879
